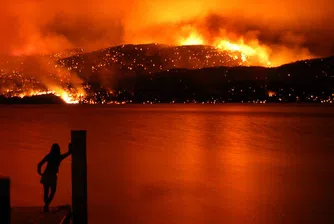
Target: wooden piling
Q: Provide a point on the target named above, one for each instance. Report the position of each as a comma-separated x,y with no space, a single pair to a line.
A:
79,177
4,200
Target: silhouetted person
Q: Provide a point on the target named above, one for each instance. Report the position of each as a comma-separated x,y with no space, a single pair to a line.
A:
49,176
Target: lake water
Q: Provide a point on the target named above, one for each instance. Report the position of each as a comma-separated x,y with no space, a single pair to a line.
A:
195,164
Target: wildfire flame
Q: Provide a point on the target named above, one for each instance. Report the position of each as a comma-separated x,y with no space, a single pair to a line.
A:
69,98
192,39
53,84
63,94
246,51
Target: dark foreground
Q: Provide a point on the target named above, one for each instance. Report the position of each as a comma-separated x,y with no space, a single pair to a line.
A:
34,215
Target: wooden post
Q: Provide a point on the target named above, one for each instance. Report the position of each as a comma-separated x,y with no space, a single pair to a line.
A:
79,177
4,200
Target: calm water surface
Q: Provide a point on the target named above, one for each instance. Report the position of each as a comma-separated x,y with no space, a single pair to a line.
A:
193,164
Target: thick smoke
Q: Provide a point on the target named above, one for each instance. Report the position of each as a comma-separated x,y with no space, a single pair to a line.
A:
291,30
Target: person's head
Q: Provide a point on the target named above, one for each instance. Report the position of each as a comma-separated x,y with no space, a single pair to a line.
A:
55,150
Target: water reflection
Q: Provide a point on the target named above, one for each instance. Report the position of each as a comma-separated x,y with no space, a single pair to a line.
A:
218,165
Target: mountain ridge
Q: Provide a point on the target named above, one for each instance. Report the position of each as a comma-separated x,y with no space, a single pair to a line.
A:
149,74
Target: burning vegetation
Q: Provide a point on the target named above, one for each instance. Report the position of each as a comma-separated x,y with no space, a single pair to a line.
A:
64,74
154,73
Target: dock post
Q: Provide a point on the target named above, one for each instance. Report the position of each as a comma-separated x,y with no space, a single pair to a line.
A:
79,177
4,200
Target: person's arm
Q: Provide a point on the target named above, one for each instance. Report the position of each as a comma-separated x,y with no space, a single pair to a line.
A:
65,155
40,164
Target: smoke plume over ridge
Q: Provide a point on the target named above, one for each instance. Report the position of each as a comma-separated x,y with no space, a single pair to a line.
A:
288,30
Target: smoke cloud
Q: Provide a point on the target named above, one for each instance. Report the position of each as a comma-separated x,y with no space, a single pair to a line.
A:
291,30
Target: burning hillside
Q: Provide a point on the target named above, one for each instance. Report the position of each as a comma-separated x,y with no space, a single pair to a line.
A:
76,77
64,76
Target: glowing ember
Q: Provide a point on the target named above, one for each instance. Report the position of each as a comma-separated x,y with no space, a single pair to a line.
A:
272,93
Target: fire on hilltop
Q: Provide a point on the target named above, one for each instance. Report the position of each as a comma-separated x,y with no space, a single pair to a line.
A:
247,51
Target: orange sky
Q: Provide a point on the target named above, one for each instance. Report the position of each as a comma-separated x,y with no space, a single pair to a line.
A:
287,27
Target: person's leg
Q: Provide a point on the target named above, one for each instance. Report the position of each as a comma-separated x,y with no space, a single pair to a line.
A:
46,196
53,189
